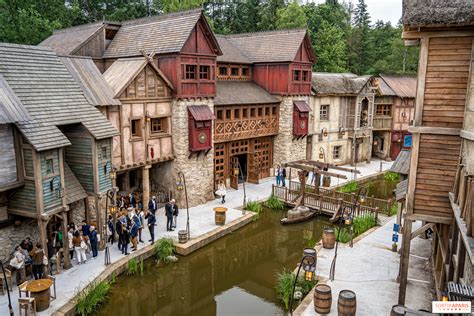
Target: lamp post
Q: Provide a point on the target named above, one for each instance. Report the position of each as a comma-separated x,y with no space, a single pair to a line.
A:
180,186
10,308
111,195
237,171
308,262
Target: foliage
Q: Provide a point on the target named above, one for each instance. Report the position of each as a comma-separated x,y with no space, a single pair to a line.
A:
91,298
342,235
291,17
255,207
363,223
284,286
391,176
163,249
134,266
349,187
274,203
113,278
394,209
311,243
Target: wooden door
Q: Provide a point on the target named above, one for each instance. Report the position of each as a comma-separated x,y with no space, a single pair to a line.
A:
234,179
253,172
220,160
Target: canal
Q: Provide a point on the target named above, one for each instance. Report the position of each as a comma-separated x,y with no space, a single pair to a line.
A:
234,275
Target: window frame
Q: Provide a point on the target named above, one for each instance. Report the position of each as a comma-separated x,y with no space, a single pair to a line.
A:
49,162
385,108
324,114
102,156
296,74
140,128
163,124
186,72
226,71
234,68
247,69
207,72
337,152
304,75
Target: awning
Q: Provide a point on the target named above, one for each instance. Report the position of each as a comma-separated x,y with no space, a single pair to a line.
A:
201,112
302,106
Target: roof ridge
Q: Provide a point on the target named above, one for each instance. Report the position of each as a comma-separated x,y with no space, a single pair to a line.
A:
154,18
250,34
83,26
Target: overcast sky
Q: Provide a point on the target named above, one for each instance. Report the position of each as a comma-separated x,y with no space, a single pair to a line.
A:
385,10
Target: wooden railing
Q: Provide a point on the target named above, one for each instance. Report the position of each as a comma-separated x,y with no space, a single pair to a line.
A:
324,202
384,206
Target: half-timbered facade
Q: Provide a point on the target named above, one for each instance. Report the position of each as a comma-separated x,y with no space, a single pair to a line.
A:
441,131
63,151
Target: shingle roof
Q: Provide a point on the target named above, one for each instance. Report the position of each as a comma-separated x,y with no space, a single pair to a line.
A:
158,34
273,46
324,83
239,92
124,70
401,164
417,13
73,188
12,109
87,75
401,190
50,95
201,112
400,86
230,53
66,41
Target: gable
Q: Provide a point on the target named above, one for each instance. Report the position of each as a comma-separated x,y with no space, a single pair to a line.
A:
200,41
305,52
147,84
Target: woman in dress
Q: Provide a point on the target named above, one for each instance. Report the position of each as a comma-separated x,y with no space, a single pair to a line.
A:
221,191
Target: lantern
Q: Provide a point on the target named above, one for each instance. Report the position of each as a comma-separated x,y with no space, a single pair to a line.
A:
147,116
362,198
341,131
324,131
113,174
113,209
348,219
236,171
321,153
179,185
444,297
309,263
376,142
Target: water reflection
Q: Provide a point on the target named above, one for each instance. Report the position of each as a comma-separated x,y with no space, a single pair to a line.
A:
233,276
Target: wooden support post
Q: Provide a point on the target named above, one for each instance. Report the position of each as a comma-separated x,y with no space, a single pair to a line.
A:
146,187
421,230
67,258
404,262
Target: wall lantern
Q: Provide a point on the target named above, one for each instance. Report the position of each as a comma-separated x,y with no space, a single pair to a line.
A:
58,189
404,115
309,263
113,174
180,184
376,142
341,131
147,116
321,153
324,132
236,171
362,195
113,209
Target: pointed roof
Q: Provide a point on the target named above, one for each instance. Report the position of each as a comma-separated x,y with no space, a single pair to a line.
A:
273,46
87,75
50,95
12,109
121,73
159,34
67,41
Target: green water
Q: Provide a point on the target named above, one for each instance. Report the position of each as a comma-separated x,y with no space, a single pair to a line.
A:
381,189
234,275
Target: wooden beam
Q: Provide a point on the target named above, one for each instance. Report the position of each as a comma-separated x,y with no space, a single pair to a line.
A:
429,218
467,135
22,213
309,168
421,230
329,166
434,130
427,34
420,86
404,262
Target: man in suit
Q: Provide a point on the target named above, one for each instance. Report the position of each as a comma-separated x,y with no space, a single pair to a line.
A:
169,216
152,205
151,225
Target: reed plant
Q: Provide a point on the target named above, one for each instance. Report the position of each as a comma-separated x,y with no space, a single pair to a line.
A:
274,203
391,176
284,286
134,267
364,223
91,298
349,187
342,235
163,249
255,207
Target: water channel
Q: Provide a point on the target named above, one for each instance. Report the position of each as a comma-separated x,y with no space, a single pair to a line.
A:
234,275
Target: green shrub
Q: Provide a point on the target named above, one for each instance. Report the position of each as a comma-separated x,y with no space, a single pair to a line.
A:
255,207
163,249
113,278
91,298
311,243
363,223
342,235
391,176
274,203
134,267
284,286
394,209
349,187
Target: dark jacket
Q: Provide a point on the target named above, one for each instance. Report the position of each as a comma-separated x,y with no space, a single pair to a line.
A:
283,172
133,201
86,230
126,236
151,207
111,226
93,236
175,210
134,230
151,219
169,210
118,227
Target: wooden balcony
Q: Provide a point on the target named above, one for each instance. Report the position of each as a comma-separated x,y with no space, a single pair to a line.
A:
245,128
382,123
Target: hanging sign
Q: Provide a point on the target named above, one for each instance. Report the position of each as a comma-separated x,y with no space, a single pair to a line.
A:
395,237
396,227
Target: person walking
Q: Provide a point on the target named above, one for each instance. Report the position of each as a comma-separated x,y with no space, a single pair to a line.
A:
277,175
118,229
110,230
169,216
151,221
134,234
37,254
221,191
152,205
94,240
283,177
141,223
125,239
175,213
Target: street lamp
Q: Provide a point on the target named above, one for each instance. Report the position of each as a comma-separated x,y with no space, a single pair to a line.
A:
237,171
308,262
361,195
180,186
10,308
110,195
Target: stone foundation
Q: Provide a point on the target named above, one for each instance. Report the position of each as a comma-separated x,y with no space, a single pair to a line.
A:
12,235
78,212
199,171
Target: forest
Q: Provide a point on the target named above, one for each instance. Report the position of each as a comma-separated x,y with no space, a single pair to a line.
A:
343,34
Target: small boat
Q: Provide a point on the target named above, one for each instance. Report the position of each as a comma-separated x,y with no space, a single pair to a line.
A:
297,215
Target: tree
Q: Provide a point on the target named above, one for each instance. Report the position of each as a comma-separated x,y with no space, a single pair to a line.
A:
168,6
359,43
291,17
269,14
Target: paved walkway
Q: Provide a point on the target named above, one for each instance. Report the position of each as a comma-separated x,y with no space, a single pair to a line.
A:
71,281
370,269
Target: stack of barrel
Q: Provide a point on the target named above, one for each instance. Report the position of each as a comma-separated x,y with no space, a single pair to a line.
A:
346,304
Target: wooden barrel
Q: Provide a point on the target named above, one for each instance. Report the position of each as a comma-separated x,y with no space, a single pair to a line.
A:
322,299
326,181
346,304
42,299
329,238
398,310
219,216
182,236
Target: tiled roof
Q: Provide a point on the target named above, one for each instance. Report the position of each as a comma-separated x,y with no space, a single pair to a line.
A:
201,112
273,46
241,92
66,41
50,95
324,83
230,53
400,86
158,34
88,76
12,109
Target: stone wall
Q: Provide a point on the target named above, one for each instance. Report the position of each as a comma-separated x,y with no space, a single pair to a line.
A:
78,212
12,235
285,147
199,171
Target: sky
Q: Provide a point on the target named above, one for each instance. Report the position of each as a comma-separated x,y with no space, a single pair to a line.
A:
385,10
